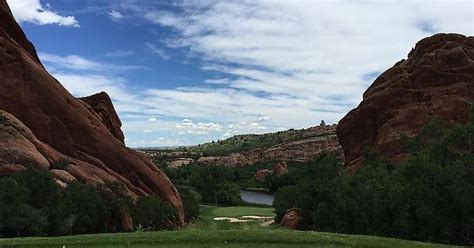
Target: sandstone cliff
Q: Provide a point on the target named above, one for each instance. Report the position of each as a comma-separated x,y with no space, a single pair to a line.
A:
435,81
45,124
291,145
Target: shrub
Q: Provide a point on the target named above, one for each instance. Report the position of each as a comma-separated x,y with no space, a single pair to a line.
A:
151,213
84,209
17,218
191,207
60,165
228,194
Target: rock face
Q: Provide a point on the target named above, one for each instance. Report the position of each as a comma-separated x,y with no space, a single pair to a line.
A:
291,219
233,160
435,81
47,124
180,162
102,105
302,150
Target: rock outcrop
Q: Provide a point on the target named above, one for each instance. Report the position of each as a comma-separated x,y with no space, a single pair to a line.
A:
435,81
280,169
45,124
323,139
233,160
102,105
261,175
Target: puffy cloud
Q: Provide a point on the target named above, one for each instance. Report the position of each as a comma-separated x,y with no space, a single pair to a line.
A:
33,11
188,126
115,15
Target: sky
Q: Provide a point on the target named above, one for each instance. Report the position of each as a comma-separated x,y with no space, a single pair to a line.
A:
185,72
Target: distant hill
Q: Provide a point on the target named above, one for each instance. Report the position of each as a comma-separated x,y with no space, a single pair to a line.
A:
241,150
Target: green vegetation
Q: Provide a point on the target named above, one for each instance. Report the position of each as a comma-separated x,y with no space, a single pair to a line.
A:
427,197
151,213
34,205
213,239
60,165
2,118
209,233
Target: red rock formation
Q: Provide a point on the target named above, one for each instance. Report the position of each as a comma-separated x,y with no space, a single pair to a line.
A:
280,169
102,105
233,160
64,127
435,81
261,175
291,219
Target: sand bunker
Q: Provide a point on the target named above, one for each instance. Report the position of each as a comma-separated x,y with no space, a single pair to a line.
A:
231,220
243,219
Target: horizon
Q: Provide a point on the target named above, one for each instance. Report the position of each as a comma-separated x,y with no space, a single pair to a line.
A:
190,72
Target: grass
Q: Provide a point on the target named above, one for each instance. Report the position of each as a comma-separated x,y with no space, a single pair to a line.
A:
208,213
209,234
272,238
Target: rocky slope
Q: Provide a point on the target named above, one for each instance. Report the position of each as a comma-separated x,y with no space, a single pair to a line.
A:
43,123
435,81
292,145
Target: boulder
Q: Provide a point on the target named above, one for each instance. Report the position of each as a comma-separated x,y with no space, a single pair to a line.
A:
435,81
261,175
280,169
292,219
65,128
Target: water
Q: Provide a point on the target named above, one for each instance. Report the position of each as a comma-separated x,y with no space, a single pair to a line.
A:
256,197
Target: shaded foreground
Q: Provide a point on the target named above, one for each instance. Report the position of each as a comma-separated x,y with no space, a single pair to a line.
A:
215,238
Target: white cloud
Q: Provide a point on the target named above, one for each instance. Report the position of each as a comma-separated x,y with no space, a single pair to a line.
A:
147,131
75,62
279,64
119,53
153,119
33,11
115,15
200,128
157,51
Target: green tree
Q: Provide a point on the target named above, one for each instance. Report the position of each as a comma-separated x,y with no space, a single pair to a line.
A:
152,213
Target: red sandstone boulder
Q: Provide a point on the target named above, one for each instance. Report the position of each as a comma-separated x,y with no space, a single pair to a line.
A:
435,81
292,219
262,174
57,126
280,169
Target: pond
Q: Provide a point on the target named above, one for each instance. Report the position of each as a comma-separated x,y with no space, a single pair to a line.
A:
256,197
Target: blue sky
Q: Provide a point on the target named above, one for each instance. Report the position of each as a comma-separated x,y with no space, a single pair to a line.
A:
187,72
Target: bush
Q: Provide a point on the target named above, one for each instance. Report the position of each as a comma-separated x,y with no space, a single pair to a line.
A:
191,207
17,218
84,210
229,194
60,165
152,214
